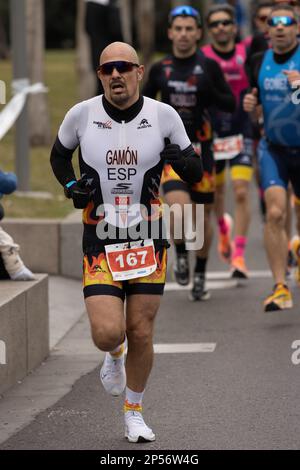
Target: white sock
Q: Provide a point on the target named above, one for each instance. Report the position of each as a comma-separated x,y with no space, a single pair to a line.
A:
118,352
23,275
133,400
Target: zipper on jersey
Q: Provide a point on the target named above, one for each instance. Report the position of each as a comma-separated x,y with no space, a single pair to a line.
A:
122,135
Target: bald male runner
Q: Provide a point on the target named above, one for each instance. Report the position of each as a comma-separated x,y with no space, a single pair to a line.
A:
121,171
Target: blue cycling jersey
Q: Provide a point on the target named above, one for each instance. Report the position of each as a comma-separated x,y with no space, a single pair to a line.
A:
281,111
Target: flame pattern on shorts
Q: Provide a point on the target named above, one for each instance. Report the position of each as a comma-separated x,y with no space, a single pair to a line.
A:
206,185
159,276
87,217
96,271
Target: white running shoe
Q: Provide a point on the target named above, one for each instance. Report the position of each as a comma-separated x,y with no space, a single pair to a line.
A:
295,247
113,375
136,429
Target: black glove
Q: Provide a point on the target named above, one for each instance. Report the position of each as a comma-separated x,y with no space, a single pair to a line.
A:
78,191
171,152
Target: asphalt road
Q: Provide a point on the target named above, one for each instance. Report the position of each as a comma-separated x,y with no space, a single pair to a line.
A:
244,394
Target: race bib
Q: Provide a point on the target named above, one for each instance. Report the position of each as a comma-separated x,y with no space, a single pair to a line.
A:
130,261
226,148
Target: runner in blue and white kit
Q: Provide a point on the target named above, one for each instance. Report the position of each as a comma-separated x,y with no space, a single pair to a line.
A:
273,76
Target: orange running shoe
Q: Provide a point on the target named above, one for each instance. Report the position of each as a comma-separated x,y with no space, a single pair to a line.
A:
224,244
238,268
295,247
280,299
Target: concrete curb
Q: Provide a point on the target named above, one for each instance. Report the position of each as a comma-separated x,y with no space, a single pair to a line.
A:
24,328
53,246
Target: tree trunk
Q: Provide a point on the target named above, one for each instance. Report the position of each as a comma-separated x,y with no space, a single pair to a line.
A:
3,42
207,5
87,79
126,15
145,20
39,120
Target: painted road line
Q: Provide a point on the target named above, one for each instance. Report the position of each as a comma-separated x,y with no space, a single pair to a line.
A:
219,280
219,275
184,348
212,285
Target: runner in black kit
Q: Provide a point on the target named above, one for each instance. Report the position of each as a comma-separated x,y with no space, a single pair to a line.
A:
120,177
190,83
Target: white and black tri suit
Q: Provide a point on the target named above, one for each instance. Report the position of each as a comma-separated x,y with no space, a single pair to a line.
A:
119,157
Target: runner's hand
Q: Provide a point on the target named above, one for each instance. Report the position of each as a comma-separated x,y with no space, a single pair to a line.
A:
171,152
79,193
293,77
250,101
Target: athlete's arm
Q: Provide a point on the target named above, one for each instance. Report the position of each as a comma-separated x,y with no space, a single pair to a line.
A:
61,162
184,160
189,167
254,69
219,92
151,87
258,45
251,99
65,144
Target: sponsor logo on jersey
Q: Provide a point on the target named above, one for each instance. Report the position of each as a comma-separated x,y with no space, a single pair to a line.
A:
278,83
183,100
198,70
168,71
182,87
122,188
122,201
144,124
122,157
103,125
167,67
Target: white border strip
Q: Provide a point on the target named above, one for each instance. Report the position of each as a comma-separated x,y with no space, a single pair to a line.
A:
219,280
211,285
184,348
219,275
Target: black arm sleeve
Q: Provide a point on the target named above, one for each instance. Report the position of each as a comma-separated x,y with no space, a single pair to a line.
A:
189,168
221,95
151,87
61,162
254,69
255,64
258,44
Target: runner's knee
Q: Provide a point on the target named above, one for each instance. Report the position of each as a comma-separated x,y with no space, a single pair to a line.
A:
241,194
107,339
140,333
275,215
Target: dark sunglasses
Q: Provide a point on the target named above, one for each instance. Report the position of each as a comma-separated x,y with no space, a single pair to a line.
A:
284,20
122,66
185,10
215,24
262,18
292,3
